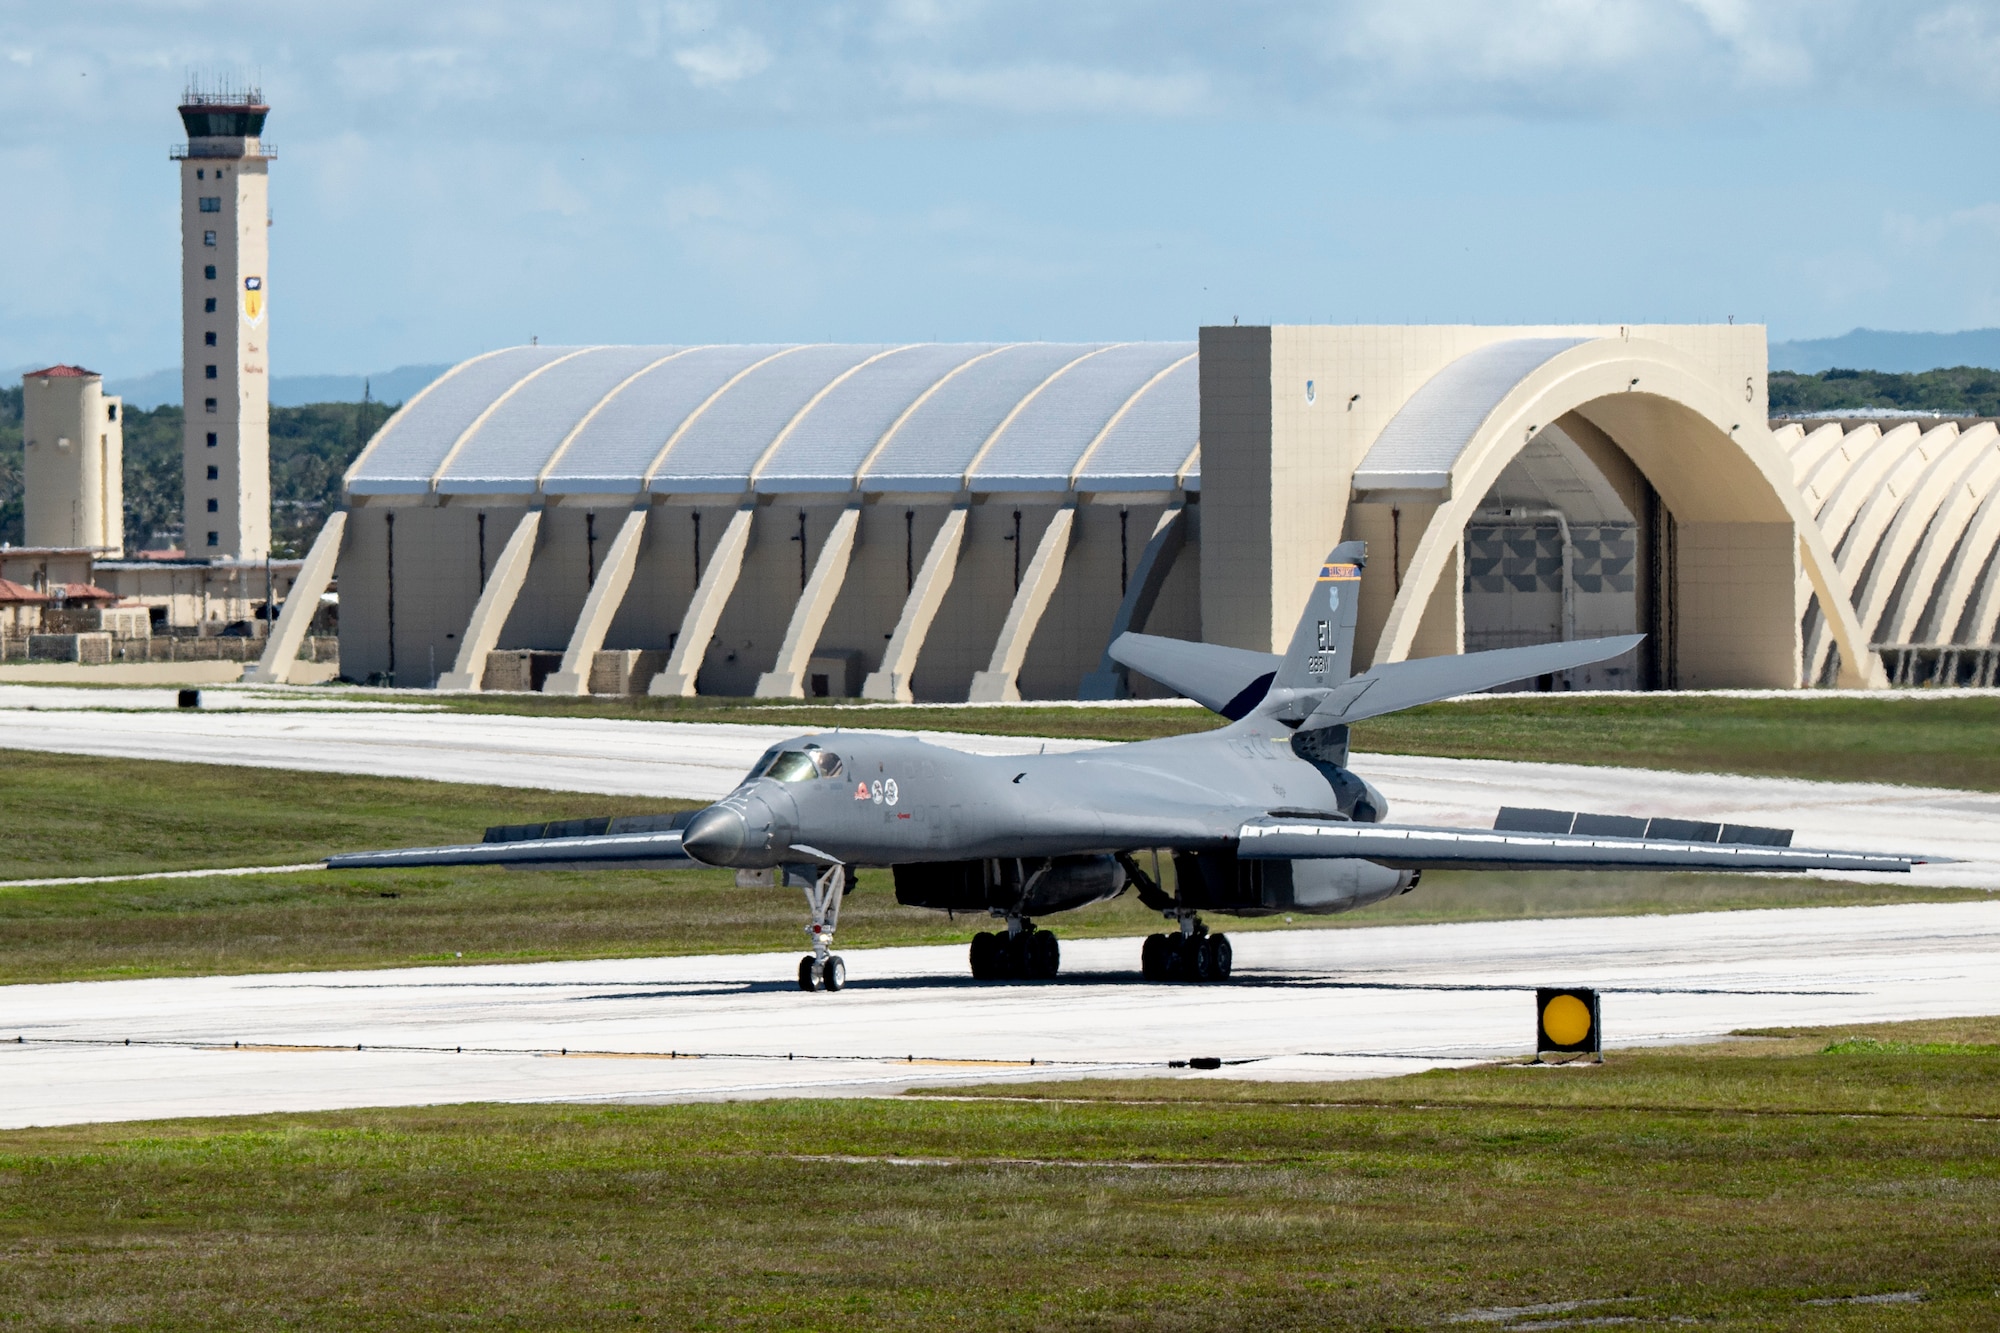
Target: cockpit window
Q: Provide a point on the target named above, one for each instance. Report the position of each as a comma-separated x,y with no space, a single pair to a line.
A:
801,765
792,766
763,762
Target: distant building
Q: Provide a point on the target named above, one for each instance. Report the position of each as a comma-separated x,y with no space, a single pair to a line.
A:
940,522
73,460
225,324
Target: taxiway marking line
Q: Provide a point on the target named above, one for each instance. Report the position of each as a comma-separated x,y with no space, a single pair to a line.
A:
163,874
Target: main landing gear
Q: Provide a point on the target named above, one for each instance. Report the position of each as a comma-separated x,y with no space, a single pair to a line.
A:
823,969
1186,953
1023,952
1189,954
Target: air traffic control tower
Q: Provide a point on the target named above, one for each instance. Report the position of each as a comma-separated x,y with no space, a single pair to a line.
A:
225,324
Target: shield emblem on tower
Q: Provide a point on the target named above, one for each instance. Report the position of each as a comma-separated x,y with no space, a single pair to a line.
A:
253,301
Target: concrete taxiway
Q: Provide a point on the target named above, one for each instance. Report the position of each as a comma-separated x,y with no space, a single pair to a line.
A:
701,761
1307,1004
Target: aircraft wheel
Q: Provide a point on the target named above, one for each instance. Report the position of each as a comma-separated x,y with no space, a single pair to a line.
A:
1020,956
1173,958
1201,959
1153,958
1225,956
807,978
1045,954
834,975
987,960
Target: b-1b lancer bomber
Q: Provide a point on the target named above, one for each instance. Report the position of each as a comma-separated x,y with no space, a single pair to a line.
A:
1260,816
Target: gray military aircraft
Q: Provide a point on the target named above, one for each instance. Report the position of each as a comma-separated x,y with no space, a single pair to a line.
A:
1260,816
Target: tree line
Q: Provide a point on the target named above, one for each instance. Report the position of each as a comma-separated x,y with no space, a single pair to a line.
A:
311,446
1962,391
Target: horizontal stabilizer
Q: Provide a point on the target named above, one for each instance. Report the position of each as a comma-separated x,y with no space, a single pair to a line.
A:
1514,819
1398,685
1405,847
1229,681
660,849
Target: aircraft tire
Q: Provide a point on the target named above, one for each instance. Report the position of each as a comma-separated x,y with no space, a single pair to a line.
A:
1173,958
1018,957
834,975
987,956
1152,958
1045,955
1200,959
807,981
1225,956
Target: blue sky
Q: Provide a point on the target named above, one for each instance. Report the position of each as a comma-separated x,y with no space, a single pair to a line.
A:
457,176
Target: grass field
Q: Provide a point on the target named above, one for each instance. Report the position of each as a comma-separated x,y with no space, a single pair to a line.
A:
74,815
1905,738
1813,1181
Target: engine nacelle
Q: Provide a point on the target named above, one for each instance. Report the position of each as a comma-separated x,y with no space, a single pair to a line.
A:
1224,882
1018,888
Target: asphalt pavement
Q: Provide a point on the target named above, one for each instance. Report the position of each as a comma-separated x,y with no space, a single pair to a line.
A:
1305,1004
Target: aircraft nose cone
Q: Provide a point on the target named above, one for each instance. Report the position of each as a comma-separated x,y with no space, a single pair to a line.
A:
716,836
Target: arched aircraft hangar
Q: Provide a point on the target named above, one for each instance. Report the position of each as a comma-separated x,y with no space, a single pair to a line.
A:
952,521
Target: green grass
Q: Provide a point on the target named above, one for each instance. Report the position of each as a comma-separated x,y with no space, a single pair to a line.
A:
84,815
1905,738
78,816
1935,1067
1949,742
1706,1186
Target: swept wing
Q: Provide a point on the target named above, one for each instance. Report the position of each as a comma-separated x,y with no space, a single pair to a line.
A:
638,842
1415,847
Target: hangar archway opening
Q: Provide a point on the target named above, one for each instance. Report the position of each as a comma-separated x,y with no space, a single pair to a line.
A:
1726,575
1568,543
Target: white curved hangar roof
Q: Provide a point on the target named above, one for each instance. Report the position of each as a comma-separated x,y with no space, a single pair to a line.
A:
791,418
1416,450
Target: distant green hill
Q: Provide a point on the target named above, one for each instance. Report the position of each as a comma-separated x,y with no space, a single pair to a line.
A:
1964,391
311,447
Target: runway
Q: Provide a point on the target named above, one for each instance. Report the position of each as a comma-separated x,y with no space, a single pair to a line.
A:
1306,1005
702,761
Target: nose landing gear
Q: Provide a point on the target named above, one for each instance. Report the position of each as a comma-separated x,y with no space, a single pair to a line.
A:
823,969
1024,952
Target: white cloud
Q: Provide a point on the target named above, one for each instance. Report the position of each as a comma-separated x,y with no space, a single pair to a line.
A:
1040,88
731,58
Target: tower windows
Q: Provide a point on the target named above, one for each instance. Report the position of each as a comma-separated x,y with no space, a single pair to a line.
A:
211,203
215,539
111,411
208,306
214,473
209,272
208,238
211,434
213,504
209,337
208,372
208,404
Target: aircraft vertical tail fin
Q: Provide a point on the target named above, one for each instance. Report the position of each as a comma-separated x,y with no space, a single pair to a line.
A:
1322,651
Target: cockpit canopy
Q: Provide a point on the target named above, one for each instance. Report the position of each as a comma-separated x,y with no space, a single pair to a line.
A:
801,765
